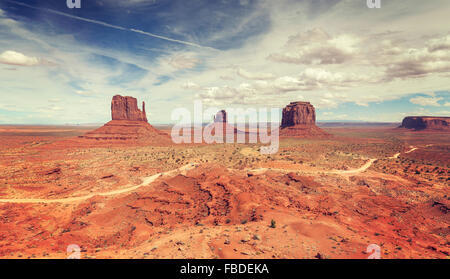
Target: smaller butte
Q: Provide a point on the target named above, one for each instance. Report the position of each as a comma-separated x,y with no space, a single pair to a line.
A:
221,117
299,120
221,120
220,127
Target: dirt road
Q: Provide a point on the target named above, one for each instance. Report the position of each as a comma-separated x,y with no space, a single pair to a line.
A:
146,181
150,179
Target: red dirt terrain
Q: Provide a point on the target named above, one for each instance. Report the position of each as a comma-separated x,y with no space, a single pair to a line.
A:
315,198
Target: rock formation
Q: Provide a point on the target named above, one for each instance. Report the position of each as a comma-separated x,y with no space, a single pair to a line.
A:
125,108
221,117
426,123
299,120
220,127
128,123
298,113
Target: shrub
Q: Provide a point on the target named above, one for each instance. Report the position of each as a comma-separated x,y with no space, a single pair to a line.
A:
273,224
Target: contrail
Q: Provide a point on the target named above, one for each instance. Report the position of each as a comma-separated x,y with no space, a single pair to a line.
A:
110,25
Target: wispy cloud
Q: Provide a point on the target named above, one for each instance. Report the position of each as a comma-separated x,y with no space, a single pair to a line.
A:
424,101
111,25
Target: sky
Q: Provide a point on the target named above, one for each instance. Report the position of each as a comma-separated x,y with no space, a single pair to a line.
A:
62,66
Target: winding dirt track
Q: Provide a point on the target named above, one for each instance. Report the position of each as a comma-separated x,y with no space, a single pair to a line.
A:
341,172
147,181
363,168
353,171
150,179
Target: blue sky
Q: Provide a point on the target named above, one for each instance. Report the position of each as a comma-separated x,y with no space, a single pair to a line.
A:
61,65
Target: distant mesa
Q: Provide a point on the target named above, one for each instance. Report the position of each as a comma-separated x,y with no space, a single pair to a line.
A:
128,123
299,120
426,123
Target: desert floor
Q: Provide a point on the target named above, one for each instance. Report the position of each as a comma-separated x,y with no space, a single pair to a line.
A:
315,198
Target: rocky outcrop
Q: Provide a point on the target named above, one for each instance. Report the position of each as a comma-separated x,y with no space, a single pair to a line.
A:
220,127
298,113
419,123
299,120
128,123
125,108
221,117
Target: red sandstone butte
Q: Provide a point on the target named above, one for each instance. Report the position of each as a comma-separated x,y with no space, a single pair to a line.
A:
125,108
426,123
299,120
128,123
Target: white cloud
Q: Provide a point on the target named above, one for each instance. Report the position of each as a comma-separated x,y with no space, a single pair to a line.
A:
183,61
414,63
257,76
83,93
10,107
395,57
226,77
190,85
425,101
319,78
278,90
400,60
11,57
439,44
445,113
317,47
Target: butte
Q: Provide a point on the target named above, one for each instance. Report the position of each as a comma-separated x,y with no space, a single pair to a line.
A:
426,123
299,120
220,129
221,122
128,124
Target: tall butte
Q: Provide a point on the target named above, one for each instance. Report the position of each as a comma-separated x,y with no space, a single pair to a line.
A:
128,123
299,120
125,108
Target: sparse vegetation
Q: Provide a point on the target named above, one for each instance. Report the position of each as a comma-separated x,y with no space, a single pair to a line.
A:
273,224
298,181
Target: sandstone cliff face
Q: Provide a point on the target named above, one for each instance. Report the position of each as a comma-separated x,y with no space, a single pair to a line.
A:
426,123
299,120
298,113
125,108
